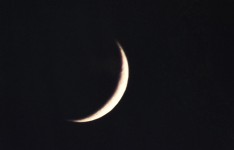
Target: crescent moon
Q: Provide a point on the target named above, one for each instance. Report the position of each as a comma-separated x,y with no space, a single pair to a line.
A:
117,95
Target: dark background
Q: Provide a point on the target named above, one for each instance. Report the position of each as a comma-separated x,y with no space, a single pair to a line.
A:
59,61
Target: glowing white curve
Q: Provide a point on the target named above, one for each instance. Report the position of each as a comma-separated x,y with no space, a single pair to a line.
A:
116,97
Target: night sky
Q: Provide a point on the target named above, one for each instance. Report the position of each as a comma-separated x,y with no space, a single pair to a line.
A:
59,61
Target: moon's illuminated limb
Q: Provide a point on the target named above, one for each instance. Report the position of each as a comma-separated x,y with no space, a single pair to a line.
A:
115,98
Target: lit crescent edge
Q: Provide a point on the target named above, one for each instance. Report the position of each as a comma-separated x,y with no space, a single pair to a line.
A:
116,97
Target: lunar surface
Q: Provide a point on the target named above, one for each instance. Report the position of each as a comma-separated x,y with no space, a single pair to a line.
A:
117,95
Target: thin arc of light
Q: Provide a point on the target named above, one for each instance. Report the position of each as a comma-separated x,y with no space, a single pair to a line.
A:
116,97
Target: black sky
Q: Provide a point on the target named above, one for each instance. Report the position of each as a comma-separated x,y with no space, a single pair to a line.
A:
59,61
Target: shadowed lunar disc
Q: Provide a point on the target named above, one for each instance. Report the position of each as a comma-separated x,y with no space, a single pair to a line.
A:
116,97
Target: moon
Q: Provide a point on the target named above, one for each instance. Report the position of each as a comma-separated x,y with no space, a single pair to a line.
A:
117,95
